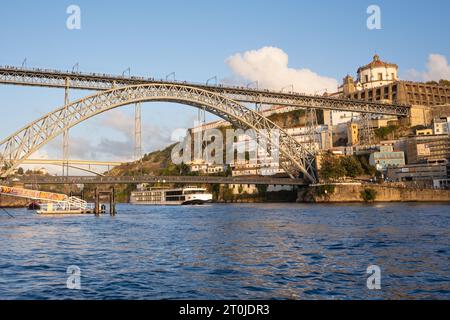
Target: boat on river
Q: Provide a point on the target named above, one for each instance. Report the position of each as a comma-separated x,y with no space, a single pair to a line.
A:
190,195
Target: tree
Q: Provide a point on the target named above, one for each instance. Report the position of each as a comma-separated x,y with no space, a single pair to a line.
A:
352,167
262,189
444,82
368,169
228,194
331,168
228,171
215,190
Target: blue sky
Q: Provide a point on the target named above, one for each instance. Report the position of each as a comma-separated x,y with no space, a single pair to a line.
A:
194,39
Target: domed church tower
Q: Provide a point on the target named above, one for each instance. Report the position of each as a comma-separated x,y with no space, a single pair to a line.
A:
377,73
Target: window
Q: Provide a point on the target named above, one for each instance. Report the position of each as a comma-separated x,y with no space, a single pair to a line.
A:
367,78
380,76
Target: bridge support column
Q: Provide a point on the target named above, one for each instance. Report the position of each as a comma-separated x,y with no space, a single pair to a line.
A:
311,127
137,132
112,202
65,146
97,202
366,133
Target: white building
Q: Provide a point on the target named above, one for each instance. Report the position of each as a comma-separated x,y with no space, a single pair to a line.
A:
376,74
204,167
441,125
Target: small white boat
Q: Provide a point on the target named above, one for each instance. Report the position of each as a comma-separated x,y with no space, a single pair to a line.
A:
162,196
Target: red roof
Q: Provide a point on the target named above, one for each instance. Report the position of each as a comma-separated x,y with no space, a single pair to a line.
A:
376,62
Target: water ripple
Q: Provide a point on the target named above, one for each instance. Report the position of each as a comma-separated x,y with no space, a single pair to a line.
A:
251,251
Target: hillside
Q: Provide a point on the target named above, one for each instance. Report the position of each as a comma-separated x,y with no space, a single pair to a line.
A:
153,163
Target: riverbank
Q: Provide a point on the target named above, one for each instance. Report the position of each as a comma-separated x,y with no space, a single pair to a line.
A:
369,193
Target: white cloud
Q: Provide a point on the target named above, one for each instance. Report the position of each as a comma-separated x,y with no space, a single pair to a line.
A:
153,137
437,69
269,66
40,154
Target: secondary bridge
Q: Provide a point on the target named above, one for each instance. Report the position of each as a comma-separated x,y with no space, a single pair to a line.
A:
97,81
162,179
83,165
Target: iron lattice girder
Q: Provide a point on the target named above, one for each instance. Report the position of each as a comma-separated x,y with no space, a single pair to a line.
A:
20,145
162,179
57,79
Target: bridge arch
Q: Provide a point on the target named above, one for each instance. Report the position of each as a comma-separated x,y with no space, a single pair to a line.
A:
295,157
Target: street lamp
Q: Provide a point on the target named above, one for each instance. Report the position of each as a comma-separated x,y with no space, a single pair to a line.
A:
129,72
289,86
254,82
213,78
76,66
170,74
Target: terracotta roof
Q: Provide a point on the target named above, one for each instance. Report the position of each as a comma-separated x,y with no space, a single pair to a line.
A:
376,62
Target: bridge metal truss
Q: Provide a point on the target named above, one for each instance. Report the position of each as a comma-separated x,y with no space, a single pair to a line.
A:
162,180
57,79
295,157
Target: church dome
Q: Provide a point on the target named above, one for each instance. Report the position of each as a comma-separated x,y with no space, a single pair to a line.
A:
376,63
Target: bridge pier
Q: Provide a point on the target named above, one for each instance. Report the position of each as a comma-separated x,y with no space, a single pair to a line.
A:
112,202
97,202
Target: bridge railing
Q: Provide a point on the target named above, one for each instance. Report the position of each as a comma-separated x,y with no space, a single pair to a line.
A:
110,78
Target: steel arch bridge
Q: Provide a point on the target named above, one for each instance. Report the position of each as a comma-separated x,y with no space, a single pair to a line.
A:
295,157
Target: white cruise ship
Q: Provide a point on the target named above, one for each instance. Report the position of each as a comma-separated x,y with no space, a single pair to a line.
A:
162,196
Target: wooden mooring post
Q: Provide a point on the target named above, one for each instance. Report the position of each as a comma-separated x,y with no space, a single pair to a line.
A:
99,208
112,202
97,202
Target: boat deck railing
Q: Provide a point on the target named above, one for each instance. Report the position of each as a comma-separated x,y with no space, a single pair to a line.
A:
67,207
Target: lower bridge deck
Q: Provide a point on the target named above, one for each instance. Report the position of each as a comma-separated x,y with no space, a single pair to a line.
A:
163,179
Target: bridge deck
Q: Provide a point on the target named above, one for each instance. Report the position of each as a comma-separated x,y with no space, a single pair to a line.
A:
96,81
163,179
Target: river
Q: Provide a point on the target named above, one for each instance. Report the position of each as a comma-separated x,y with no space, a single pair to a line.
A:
238,251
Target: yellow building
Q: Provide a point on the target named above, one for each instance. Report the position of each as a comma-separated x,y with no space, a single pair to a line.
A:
424,132
352,134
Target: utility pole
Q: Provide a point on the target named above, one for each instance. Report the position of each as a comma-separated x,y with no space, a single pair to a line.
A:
137,132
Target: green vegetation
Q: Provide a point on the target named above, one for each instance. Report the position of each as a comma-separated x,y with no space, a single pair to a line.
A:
262,189
333,168
352,166
367,168
368,195
293,118
228,195
384,132
441,82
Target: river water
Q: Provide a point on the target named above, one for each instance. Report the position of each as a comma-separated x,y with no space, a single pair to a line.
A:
242,251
